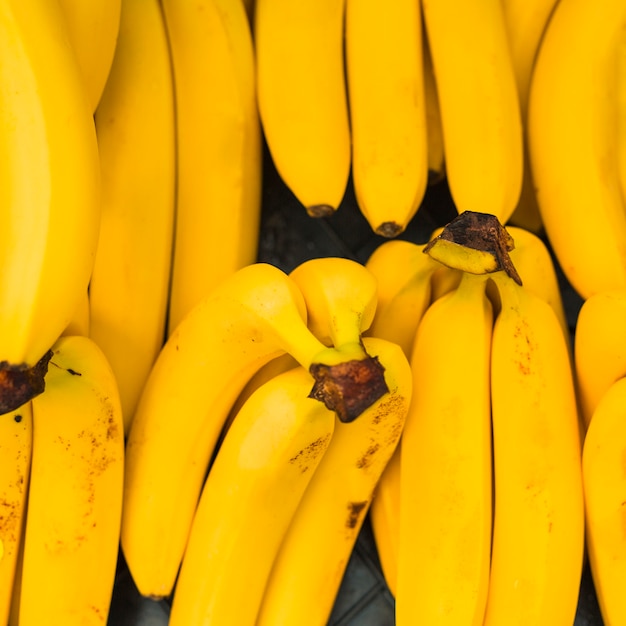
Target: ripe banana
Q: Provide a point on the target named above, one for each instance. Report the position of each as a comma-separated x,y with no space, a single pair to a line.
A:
302,97
312,558
605,485
71,538
218,145
526,22
480,112
49,229
572,118
129,287
434,131
446,480
599,348
16,438
255,315
93,29
538,528
385,78
253,488
621,117
80,322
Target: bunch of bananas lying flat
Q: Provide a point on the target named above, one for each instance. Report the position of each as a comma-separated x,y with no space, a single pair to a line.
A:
229,425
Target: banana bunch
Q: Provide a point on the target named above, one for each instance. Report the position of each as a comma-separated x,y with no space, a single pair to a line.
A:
62,478
478,516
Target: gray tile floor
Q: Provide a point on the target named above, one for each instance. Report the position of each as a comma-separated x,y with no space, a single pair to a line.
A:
289,237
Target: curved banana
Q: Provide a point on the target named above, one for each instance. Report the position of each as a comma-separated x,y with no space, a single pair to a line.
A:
445,524
218,143
253,488
93,29
128,293
480,112
526,22
71,539
302,97
572,118
16,439
256,314
605,485
312,558
599,347
385,78
538,529
49,229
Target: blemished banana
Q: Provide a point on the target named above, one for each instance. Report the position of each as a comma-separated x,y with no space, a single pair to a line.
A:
72,530
385,78
479,105
599,348
257,314
218,144
538,527
526,22
16,439
253,488
93,29
128,292
444,544
49,229
604,487
434,131
313,556
302,97
572,119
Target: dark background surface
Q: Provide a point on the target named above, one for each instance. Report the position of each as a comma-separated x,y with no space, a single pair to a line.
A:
289,237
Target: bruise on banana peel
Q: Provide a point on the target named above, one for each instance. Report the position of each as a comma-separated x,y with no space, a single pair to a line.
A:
476,243
350,387
21,383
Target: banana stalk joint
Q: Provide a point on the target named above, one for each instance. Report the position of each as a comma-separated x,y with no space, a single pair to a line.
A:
476,243
21,383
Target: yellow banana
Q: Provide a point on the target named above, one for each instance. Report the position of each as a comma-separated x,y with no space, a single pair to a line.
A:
444,543
526,22
312,558
218,146
75,495
80,322
605,485
479,105
50,227
385,78
621,117
538,528
302,97
572,118
434,131
253,488
599,347
16,438
93,29
256,314
128,293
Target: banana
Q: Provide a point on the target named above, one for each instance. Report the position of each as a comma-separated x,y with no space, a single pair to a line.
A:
80,322
538,528
621,117
385,78
312,558
49,229
302,97
446,480
16,438
526,23
253,488
480,112
434,131
257,314
128,293
604,484
219,163
75,494
599,348
93,29
572,119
